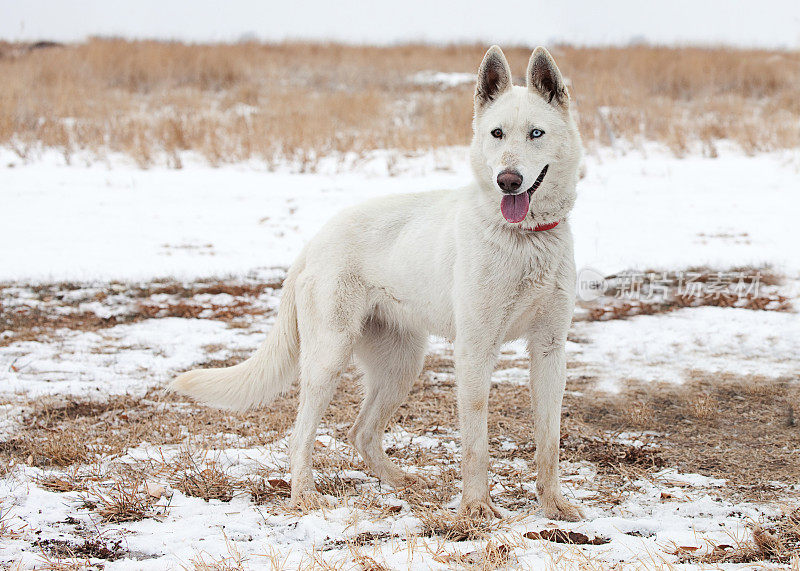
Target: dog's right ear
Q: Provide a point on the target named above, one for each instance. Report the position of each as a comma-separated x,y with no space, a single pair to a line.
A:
494,77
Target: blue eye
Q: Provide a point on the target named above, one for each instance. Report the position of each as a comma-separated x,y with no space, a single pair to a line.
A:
536,133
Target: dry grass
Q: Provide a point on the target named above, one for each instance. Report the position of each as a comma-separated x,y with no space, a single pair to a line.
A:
62,482
744,437
153,100
726,426
201,478
454,527
126,500
697,436
49,448
365,562
47,437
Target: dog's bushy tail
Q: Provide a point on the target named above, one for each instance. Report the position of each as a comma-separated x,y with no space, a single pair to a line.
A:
262,377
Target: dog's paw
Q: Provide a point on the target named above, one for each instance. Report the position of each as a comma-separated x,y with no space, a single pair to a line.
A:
478,510
557,507
311,500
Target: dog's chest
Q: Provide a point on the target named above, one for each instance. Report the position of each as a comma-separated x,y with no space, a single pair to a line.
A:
532,286
539,273
517,287
537,267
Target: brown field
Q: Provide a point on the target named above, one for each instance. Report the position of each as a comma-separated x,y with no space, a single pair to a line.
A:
299,101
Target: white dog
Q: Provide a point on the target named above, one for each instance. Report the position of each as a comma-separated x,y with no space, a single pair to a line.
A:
481,265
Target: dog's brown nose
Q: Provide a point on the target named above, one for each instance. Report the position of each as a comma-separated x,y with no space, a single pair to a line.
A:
509,181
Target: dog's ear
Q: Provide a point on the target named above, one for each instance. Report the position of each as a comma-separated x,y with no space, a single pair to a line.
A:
545,78
494,77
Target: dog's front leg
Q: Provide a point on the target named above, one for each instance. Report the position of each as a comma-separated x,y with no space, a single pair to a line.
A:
475,359
548,376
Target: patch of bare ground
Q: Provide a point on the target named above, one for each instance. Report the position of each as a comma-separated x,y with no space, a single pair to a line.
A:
45,309
651,292
31,323
263,489
84,550
94,548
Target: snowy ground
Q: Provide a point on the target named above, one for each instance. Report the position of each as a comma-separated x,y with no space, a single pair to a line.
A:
641,209
121,236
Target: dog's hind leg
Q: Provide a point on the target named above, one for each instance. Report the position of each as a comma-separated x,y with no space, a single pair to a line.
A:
392,360
329,322
319,377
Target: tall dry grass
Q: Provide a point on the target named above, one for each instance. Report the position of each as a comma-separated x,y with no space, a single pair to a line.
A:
230,102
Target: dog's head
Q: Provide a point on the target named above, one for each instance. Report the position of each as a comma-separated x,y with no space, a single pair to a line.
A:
526,149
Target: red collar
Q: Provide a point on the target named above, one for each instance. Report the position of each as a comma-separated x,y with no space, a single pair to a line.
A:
543,227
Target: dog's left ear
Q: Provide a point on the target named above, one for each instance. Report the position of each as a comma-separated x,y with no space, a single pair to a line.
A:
545,78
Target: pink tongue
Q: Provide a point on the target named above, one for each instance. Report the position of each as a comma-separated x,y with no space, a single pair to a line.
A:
515,207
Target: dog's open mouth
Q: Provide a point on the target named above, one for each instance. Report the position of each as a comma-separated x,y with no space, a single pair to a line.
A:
514,207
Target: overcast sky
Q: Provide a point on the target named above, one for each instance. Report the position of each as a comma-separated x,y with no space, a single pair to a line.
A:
767,23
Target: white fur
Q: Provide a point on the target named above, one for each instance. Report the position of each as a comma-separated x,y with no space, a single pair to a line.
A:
382,276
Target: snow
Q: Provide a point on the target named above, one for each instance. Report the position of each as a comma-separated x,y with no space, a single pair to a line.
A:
639,211
111,361
668,347
635,210
120,222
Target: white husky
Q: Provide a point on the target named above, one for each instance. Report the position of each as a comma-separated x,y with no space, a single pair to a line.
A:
481,265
